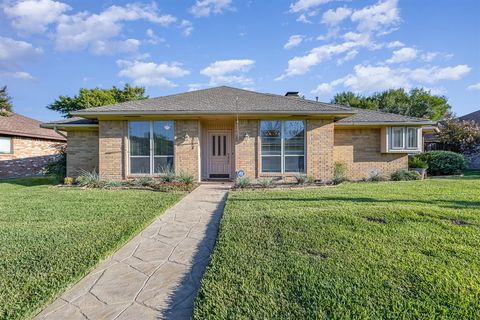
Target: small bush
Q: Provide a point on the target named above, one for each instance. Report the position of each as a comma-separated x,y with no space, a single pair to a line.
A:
143,181
89,179
68,181
374,175
311,179
168,175
443,162
339,172
242,182
301,179
416,162
112,184
58,167
266,182
186,178
405,175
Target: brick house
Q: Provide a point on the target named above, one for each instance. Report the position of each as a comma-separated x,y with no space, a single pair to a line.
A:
25,148
218,132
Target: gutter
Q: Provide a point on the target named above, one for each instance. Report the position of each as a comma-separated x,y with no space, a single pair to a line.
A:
406,123
232,113
58,132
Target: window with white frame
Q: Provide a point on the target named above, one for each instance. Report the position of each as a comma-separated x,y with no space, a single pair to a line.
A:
5,145
151,146
404,138
283,146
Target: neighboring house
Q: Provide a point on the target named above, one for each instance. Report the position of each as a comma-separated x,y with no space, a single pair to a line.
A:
218,132
25,148
473,159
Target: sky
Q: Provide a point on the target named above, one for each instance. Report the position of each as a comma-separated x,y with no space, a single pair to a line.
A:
318,47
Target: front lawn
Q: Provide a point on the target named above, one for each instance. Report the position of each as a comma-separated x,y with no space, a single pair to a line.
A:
50,237
389,250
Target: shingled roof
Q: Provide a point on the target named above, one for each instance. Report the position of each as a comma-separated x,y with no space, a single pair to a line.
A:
220,100
474,116
365,116
14,124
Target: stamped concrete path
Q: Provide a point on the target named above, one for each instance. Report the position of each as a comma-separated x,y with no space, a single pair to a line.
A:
157,274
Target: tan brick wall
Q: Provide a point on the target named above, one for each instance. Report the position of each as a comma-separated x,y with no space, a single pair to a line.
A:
112,149
187,147
82,152
246,148
320,149
360,150
29,156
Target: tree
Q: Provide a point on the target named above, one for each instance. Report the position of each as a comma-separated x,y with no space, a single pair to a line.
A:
416,103
5,101
459,136
90,98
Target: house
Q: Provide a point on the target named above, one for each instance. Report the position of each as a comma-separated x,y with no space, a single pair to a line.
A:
473,159
25,148
220,132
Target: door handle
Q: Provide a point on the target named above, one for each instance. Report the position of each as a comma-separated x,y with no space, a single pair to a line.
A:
228,157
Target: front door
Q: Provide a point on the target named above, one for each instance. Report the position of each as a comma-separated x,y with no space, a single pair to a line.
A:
219,152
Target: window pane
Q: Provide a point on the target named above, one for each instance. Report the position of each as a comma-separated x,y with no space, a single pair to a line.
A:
294,164
139,132
271,164
412,138
140,165
163,138
162,164
397,138
5,144
270,133
294,138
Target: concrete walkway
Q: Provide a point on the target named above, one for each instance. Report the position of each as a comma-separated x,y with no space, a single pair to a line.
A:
157,274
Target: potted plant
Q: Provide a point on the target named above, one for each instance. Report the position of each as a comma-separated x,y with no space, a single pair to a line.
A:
418,165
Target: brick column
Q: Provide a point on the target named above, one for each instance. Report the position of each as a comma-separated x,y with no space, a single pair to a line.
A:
246,147
82,152
320,135
187,147
111,151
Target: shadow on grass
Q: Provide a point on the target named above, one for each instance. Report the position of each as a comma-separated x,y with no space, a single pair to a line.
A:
30,181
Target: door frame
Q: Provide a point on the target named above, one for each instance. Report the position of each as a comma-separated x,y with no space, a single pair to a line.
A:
208,154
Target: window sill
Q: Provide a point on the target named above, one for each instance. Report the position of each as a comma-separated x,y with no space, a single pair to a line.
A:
403,151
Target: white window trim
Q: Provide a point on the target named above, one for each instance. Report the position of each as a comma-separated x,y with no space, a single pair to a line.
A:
282,149
405,147
151,156
10,142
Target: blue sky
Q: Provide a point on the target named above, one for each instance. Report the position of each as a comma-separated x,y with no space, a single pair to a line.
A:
318,47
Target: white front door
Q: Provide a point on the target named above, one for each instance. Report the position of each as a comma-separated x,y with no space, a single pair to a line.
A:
219,153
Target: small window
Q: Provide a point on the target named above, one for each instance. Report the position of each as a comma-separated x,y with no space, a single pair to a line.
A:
5,145
397,138
412,138
404,139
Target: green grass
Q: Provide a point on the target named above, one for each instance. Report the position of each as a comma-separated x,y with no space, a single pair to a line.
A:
50,237
389,250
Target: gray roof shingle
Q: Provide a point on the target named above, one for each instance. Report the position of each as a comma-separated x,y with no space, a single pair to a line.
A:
374,116
14,124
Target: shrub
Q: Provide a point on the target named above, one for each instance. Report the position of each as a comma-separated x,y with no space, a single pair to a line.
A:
186,178
242,182
405,175
168,175
58,167
143,181
339,172
443,162
374,175
301,179
89,179
112,184
68,181
266,182
416,162
311,179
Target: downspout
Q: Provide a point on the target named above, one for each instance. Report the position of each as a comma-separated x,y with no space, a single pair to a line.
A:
58,132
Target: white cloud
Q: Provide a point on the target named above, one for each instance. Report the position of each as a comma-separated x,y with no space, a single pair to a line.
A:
113,47
367,78
349,56
293,41
303,18
229,72
475,86
395,44
334,17
323,88
429,56
150,73
379,17
204,8
187,27
403,55
33,16
91,31
21,75
305,5
153,38
13,51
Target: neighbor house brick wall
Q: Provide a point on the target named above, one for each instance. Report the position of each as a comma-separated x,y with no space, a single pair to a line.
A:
320,149
359,149
29,156
246,147
187,147
111,149
82,152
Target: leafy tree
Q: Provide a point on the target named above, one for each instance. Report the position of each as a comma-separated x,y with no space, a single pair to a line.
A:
416,103
459,136
90,98
5,101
